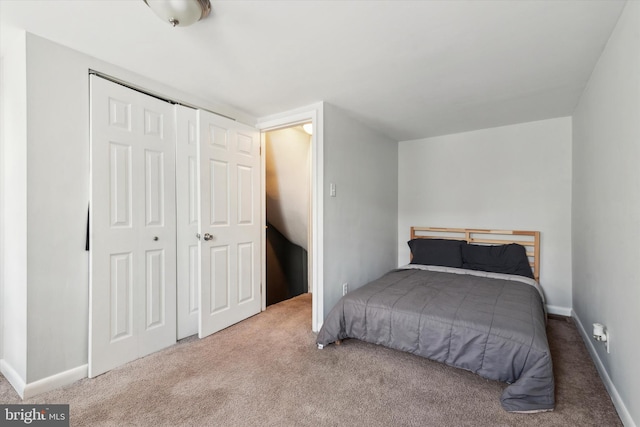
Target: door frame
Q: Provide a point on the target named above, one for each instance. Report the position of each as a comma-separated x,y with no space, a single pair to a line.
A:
314,114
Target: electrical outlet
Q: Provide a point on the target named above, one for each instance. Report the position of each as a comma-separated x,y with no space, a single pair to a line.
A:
345,288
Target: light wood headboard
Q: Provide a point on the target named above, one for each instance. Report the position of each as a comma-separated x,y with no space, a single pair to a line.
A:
529,239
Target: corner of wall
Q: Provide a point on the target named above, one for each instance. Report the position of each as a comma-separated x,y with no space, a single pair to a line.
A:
13,165
2,191
605,133
13,377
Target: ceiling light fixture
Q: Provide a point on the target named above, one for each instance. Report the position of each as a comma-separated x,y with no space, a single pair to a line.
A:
180,13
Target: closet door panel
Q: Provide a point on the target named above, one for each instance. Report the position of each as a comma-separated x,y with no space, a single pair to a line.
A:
229,212
132,253
188,211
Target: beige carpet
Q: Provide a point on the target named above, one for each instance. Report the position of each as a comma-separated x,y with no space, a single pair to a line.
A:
266,371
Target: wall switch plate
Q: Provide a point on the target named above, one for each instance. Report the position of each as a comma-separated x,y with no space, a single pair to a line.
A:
332,190
345,288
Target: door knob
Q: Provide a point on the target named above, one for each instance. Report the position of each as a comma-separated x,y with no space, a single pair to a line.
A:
208,236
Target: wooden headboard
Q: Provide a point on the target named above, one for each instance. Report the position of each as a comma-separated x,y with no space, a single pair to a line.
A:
529,239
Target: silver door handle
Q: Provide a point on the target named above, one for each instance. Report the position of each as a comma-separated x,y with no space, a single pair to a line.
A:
208,236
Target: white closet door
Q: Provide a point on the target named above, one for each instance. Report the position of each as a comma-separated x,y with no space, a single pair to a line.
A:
187,194
133,226
229,221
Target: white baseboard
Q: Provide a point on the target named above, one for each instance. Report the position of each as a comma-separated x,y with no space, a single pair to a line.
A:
55,381
29,390
561,311
623,412
13,377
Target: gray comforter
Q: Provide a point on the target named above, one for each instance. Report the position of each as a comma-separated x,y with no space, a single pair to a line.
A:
493,325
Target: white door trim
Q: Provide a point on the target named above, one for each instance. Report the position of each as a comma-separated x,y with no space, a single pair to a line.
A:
314,114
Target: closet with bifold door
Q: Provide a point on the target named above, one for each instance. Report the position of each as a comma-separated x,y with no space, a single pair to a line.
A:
175,231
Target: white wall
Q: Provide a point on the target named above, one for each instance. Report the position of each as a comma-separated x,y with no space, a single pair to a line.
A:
13,266
49,176
57,198
511,177
2,213
360,222
606,210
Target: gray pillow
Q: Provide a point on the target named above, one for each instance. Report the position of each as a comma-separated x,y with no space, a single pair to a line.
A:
509,259
441,252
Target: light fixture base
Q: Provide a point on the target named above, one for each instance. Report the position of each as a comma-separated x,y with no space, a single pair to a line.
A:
180,13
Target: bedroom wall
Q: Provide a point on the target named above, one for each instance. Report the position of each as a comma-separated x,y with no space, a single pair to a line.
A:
2,213
57,198
360,223
606,211
14,216
511,177
53,140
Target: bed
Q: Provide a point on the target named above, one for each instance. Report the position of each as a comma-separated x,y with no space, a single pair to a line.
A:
470,298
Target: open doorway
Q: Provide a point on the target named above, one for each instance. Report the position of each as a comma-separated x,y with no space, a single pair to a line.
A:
313,114
288,201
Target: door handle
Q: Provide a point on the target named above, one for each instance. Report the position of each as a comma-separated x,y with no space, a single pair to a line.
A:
208,236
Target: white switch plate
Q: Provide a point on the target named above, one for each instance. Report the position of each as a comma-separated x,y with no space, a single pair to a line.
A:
332,190
345,288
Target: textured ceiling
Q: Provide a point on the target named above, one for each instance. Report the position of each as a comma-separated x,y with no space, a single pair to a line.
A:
409,69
